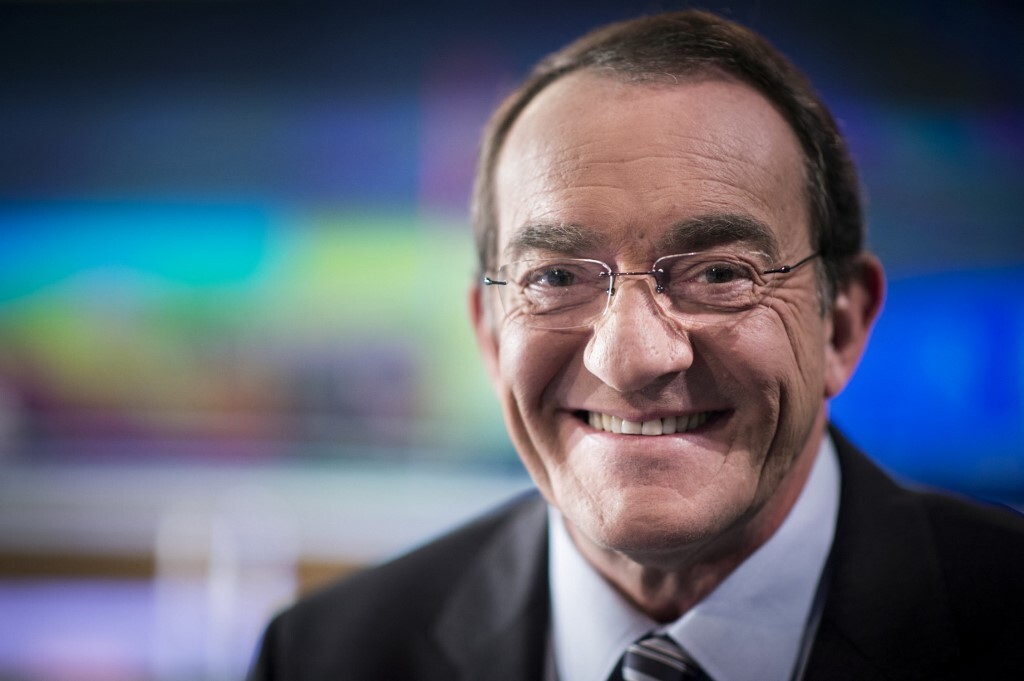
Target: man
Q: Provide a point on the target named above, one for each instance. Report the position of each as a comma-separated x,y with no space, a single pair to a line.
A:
674,286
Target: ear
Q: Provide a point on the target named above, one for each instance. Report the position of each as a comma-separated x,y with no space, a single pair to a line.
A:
856,306
482,317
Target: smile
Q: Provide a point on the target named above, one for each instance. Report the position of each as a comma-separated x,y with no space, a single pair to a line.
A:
663,426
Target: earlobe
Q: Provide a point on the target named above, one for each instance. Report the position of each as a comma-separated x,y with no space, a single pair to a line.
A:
854,310
485,332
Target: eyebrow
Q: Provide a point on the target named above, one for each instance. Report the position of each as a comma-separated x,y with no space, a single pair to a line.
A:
564,239
690,235
718,229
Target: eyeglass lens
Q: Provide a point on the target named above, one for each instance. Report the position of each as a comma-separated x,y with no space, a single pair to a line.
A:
708,288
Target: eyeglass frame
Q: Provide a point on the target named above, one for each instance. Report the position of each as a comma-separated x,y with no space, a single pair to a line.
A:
653,272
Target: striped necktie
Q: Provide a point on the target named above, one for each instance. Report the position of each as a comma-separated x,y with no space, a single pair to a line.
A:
658,658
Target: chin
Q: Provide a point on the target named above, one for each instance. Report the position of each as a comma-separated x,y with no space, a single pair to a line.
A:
649,529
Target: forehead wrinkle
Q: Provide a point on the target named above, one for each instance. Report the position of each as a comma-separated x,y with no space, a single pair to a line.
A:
568,239
717,229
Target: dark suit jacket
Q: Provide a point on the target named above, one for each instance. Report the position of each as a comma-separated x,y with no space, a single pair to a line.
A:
921,587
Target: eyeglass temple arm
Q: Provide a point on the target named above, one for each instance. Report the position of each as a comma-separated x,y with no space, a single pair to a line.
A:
493,282
785,269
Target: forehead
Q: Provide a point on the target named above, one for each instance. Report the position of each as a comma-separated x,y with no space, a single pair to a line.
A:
622,166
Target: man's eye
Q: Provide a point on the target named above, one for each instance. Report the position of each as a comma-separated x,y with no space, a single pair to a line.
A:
554,278
720,274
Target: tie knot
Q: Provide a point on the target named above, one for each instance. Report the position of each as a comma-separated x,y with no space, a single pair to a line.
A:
659,658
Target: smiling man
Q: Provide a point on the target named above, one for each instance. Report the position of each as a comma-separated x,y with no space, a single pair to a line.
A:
673,286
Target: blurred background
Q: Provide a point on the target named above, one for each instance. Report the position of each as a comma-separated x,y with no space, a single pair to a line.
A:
234,360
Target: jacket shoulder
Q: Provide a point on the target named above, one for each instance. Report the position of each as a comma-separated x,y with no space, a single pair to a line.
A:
980,550
377,623
920,580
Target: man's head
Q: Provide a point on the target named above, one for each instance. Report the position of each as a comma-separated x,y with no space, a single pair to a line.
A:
682,46
665,136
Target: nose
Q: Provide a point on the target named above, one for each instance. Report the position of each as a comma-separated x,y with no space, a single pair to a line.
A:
634,344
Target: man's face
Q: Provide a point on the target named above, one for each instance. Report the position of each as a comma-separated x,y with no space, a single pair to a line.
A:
628,167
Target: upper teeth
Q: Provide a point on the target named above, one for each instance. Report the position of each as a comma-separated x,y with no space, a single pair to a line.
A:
665,426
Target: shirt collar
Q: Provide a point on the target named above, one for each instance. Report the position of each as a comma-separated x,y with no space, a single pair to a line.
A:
750,627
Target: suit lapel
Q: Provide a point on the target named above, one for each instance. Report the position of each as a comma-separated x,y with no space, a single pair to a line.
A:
495,625
886,614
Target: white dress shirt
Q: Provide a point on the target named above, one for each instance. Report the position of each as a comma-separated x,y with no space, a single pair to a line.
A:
750,628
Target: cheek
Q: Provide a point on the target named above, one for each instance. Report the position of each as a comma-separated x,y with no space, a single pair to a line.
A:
531,362
807,341
773,364
798,371
801,338
534,365
748,360
519,368
531,365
